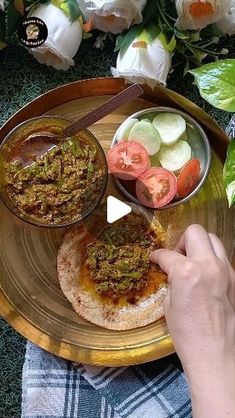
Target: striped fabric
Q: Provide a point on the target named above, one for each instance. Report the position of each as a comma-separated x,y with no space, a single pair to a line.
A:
56,388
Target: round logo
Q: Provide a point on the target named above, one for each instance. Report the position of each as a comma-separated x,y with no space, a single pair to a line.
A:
32,32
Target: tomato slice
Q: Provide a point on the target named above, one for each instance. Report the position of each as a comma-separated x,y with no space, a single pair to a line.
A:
127,160
188,177
156,187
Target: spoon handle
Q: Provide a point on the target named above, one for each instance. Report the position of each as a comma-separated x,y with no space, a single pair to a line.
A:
105,109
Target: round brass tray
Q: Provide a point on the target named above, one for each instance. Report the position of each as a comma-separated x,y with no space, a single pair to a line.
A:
30,296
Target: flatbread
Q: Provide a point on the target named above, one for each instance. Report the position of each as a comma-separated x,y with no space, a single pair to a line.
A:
88,304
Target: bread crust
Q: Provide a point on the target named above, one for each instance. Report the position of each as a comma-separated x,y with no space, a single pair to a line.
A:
145,311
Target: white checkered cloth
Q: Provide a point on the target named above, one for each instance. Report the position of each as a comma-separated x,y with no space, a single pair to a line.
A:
56,388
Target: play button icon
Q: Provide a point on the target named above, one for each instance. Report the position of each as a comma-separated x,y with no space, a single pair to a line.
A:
116,209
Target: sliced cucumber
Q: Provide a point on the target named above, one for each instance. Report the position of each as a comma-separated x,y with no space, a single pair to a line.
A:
145,133
124,129
170,127
175,157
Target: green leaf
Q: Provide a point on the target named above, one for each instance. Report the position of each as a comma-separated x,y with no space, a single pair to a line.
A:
171,44
186,68
152,31
147,34
199,55
210,31
216,83
181,34
149,11
69,7
195,36
75,12
125,39
229,173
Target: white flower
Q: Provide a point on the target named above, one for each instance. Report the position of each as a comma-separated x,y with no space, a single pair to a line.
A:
2,5
112,15
63,41
227,24
197,14
143,62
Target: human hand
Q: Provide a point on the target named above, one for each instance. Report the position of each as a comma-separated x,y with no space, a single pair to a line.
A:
200,311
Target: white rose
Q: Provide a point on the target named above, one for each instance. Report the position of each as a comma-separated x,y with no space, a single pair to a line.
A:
112,15
197,14
63,41
227,24
143,62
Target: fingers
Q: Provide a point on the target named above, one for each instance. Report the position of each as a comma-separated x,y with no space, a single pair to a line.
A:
231,287
166,259
218,247
195,242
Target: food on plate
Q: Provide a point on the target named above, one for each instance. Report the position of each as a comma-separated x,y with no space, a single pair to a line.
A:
110,280
170,126
144,132
188,177
128,160
124,129
156,187
173,158
51,181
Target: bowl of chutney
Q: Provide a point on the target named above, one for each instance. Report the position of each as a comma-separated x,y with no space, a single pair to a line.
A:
48,181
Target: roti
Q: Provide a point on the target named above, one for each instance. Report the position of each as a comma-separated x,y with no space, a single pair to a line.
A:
108,278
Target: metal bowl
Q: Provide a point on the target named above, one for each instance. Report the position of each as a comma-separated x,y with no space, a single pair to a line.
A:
198,141
39,124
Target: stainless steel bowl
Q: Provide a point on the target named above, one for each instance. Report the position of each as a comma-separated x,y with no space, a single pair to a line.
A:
197,139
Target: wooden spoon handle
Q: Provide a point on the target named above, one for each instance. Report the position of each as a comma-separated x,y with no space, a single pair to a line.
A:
105,109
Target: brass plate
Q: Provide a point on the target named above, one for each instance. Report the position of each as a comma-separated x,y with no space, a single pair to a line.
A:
30,297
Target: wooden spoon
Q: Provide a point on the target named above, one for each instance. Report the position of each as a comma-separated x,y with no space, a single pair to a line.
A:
105,109
39,143
130,93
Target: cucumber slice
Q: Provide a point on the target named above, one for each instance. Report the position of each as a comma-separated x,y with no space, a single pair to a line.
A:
145,133
124,129
170,127
175,157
